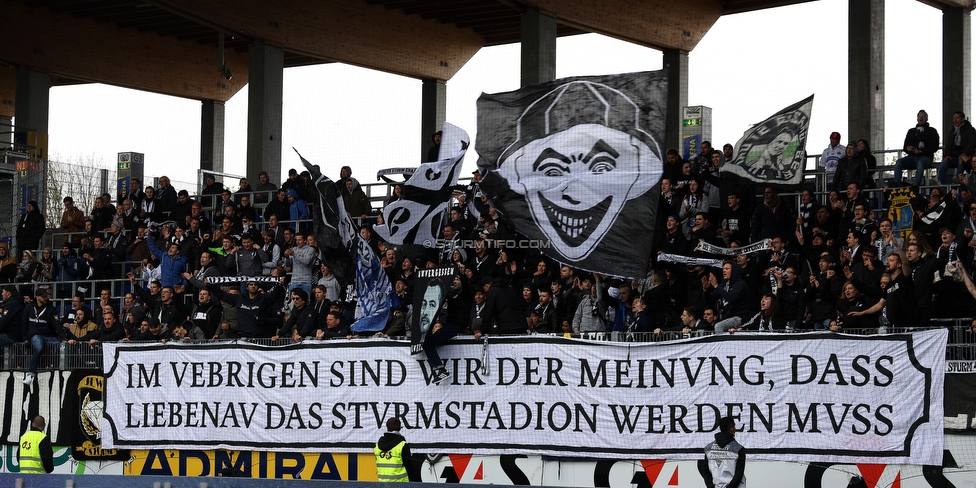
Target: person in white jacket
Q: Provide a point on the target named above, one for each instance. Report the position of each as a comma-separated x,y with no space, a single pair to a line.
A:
831,156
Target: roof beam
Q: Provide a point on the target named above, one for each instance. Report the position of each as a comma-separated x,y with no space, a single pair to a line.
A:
335,30
85,50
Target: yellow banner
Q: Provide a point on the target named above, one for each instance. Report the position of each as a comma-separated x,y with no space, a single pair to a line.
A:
294,465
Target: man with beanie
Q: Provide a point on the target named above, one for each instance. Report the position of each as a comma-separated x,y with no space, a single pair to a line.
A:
725,459
393,460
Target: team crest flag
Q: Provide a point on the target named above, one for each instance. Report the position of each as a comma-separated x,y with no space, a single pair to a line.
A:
772,152
416,218
574,164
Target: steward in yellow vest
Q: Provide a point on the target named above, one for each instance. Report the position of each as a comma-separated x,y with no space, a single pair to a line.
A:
393,456
36,455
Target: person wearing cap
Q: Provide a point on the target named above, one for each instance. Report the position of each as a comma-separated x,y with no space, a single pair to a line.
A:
831,157
728,151
31,228
11,316
156,332
40,326
211,187
303,320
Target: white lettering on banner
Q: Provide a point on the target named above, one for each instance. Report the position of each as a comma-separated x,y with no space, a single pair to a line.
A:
800,397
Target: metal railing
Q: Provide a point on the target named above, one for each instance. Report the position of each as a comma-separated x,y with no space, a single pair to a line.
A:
65,356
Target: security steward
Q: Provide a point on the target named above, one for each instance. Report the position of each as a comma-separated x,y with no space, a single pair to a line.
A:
36,455
393,460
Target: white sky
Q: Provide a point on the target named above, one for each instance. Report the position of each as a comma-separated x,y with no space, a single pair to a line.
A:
747,67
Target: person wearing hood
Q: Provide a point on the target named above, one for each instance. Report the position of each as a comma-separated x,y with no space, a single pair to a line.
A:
11,316
297,208
393,460
31,228
731,296
725,459
870,162
354,199
959,154
921,142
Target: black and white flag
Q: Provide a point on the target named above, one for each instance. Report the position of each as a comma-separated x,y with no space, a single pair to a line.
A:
416,218
773,151
575,164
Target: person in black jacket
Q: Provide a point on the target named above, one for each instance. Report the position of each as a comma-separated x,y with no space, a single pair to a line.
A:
205,314
959,154
31,228
393,459
303,320
110,331
921,142
253,307
40,325
11,316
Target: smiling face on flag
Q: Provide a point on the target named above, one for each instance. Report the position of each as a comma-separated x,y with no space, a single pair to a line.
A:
580,156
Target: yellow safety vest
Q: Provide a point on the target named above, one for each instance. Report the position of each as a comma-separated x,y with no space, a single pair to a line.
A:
30,452
389,464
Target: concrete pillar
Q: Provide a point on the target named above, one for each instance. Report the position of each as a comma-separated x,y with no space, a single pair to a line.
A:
6,132
538,47
956,67
865,90
31,104
264,99
433,112
212,136
676,67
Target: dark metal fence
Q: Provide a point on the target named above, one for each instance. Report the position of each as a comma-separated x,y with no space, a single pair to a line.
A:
65,356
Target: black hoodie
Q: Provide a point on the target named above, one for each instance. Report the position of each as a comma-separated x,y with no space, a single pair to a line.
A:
389,441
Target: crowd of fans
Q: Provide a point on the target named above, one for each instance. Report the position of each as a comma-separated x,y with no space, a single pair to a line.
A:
146,265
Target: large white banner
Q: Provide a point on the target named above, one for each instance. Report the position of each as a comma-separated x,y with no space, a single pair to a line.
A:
796,397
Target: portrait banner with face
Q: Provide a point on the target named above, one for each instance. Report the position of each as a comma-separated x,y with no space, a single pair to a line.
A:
430,292
416,218
772,152
575,163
